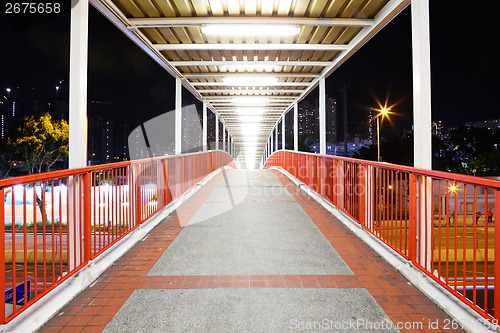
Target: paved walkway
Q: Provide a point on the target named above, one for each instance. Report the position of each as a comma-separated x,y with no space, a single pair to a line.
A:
250,252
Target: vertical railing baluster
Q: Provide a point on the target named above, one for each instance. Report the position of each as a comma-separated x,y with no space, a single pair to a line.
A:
496,275
413,218
87,215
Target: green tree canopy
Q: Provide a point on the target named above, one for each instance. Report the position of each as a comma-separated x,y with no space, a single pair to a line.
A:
40,141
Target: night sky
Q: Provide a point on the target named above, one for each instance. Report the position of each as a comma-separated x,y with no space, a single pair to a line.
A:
465,67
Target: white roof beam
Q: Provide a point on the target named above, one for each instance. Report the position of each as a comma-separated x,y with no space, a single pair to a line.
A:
229,102
223,74
233,113
277,84
251,63
260,92
200,21
248,46
225,98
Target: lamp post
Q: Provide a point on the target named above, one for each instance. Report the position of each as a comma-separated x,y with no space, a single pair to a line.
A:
383,112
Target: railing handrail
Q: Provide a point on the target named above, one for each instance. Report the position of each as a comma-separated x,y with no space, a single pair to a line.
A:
82,221
44,176
444,175
429,218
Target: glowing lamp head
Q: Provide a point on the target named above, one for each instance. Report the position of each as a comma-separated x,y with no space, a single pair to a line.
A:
384,111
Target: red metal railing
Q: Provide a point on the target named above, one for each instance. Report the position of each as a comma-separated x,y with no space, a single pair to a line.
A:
444,223
54,223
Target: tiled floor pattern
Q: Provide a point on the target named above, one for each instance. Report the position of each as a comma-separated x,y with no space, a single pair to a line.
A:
401,301
93,309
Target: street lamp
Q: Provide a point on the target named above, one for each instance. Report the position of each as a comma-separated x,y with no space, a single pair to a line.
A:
383,113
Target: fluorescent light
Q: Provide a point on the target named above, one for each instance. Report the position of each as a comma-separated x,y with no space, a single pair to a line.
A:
250,80
250,119
250,100
249,68
250,110
250,30
251,144
250,128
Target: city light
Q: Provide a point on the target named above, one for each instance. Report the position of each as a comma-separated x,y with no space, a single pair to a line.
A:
255,30
8,90
384,112
250,80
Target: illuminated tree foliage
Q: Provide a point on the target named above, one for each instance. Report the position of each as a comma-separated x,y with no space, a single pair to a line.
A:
40,141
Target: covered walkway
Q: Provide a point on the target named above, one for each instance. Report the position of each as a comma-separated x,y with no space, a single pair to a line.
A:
250,252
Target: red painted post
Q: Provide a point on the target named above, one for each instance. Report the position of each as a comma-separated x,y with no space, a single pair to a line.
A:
318,175
211,162
361,196
2,256
166,199
138,197
87,217
496,217
334,183
413,219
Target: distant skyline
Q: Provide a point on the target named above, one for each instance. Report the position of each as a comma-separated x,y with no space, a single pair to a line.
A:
464,64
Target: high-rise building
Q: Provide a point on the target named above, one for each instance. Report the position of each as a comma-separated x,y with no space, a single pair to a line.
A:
372,130
437,129
308,120
120,142
107,141
331,119
17,102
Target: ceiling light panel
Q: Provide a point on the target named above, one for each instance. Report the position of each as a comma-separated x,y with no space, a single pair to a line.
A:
250,30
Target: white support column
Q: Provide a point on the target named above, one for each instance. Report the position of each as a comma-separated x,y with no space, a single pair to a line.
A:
205,128
283,145
216,132
224,137
277,137
421,85
296,127
178,116
272,142
78,85
77,124
422,141
322,117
